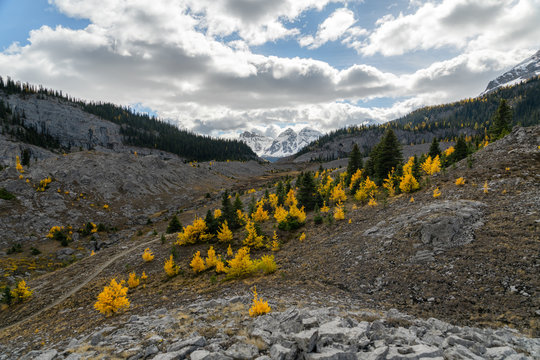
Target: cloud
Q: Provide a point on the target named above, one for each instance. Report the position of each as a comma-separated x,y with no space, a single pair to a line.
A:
192,62
458,24
331,29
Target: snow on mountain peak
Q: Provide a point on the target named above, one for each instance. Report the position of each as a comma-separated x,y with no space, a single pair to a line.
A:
288,142
526,69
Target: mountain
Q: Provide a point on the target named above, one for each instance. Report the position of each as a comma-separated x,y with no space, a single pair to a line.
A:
49,119
469,117
526,69
286,143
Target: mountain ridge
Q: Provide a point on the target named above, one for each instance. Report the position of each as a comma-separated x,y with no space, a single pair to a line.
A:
286,143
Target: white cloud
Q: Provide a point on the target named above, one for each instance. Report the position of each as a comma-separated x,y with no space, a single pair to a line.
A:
331,29
459,24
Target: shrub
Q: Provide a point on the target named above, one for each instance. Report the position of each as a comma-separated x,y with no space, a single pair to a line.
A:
15,248
339,214
338,194
460,181
171,269
7,298
266,264
133,280
34,251
274,246
211,259
194,233
21,292
260,214
431,166
112,299
197,264
224,233
436,193
302,237
259,306
241,265
6,195
253,239
147,255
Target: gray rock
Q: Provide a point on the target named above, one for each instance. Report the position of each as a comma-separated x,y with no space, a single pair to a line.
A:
331,354
198,341
306,340
199,355
377,354
499,352
460,352
310,322
175,355
150,350
414,352
47,355
278,352
242,351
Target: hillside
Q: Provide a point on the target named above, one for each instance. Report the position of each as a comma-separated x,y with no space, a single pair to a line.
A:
48,118
469,117
457,268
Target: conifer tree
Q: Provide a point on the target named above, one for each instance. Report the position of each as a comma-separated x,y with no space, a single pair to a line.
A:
461,150
228,212
434,149
306,191
280,192
387,156
238,205
174,225
501,121
212,223
355,163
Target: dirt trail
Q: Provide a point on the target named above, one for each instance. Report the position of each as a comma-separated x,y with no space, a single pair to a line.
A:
74,290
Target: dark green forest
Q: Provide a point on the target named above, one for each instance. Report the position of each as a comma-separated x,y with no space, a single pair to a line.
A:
137,129
474,114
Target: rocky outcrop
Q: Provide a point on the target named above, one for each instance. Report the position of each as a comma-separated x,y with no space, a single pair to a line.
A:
221,329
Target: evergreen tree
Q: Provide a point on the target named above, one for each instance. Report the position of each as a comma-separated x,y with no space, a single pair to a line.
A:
355,163
434,149
227,211
280,192
461,150
252,206
238,203
174,225
212,223
416,168
501,121
388,155
306,191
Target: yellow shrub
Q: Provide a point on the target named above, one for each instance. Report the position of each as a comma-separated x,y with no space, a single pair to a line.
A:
357,176
372,202
197,264
460,181
486,187
133,280
367,189
224,233
436,193
275,242
112,299
412,200
144,276
220,266
449,151
211,258
291,199
273,200
260,215
297,213
229,251
241,265
18,165
388,183
147,255
267,264
408,183
338,194
339,214
193,233
171,269
217,213
431,166
280,214
325,208
302,237
259,306
21,292
252,239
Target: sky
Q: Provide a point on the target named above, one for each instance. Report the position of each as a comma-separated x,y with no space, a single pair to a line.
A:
220,67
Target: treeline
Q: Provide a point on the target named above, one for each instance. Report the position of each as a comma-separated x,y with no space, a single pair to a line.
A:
143,130
450,119
13,124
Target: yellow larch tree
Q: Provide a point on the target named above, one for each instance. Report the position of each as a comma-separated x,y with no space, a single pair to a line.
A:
147,255
133,280
22,292
338,194
291,199
339,214
280,214
260,214
241,265
170,267
431,166
112,299
224,233
252,239
259,306
194,233
197,264
211,258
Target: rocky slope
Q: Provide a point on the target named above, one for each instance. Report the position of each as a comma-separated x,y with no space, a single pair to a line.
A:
286,143
526,69
467,258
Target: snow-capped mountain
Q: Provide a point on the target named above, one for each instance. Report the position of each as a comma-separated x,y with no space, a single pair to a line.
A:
286,143
526,69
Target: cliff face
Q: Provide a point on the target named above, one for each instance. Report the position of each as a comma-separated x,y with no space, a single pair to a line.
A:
71,126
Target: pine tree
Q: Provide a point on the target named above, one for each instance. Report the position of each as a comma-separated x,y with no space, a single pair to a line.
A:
306,191
211,223
355,163
238,203
461,150
388,155
434,149
501,121
228,212
174,225
280,192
